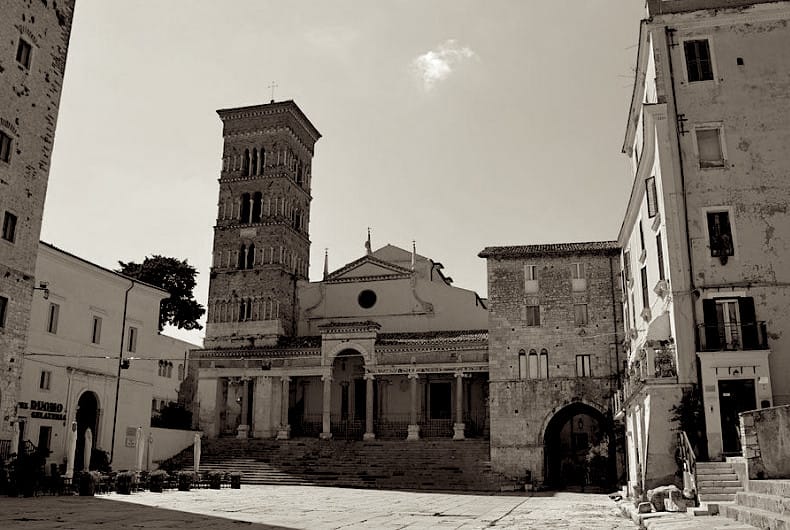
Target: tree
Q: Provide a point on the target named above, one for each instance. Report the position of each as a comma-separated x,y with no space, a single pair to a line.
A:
177,278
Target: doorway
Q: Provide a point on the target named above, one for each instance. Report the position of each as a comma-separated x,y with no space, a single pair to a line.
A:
735,396
87,418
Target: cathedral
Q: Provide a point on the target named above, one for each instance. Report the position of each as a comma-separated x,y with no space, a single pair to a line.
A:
385,347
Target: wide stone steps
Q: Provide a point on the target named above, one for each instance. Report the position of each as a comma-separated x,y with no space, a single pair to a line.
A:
766,504
425,464
717,482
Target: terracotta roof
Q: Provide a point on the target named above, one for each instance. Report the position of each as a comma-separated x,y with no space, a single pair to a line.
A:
517,251
422,337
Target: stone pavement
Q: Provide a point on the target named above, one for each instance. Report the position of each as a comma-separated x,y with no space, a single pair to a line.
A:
265,507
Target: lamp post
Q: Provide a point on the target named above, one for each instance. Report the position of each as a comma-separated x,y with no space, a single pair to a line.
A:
121,365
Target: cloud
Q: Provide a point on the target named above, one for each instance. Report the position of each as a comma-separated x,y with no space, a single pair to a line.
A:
435,65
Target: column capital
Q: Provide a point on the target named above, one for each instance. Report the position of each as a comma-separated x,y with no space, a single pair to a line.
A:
326,377
285,378
369,376
414,375
459,374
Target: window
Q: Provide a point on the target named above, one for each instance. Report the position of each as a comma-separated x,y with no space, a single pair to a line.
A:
533,364
96,330
660,254
627,265
533,315
641,238
645,296
698,61
132,343
720,235
530,272
5,147
580,312
709,147
180,372
153,405
24,52
9,227
544,364
52,320
652,197
583,366
3,310
169,370
44,380
577,270
522,365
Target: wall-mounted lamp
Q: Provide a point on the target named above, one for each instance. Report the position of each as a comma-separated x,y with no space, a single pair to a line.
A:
43,286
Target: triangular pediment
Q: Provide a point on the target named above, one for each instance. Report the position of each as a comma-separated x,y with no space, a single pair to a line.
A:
368,267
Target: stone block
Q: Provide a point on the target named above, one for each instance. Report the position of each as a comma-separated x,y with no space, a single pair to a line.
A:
657,496
676,502
644,507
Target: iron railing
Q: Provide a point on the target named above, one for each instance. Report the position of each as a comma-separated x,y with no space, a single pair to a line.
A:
5,450
688,461
733,336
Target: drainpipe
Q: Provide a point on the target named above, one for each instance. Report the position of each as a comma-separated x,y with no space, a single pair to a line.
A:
120,363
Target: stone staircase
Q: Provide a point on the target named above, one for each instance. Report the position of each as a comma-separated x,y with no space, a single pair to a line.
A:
717,482
424,464
765,504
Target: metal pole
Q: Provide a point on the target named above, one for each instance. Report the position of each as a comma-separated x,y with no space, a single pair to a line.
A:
118,378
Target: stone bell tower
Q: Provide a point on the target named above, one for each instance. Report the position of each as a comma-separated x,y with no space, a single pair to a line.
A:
261,237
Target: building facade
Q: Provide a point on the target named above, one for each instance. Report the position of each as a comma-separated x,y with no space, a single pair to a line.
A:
35,38
706,236
554,334
87,321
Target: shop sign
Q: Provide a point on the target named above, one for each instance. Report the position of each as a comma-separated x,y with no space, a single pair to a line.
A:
45,410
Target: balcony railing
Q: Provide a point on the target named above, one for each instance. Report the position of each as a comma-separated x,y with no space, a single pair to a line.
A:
732,336
654,363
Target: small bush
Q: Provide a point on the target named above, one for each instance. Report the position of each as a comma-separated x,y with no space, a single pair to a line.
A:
185,480
214,480
157,479
235,480
125,482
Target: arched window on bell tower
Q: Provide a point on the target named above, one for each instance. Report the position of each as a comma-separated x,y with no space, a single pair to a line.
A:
299,172
254,162
244,215
242,257
250,256
242,310
257,203
245,163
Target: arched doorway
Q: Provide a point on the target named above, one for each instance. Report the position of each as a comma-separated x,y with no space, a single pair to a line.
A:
87,418
578,448
348,395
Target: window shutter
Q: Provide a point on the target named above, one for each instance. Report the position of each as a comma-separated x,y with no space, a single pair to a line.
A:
652,202
711,335
748,323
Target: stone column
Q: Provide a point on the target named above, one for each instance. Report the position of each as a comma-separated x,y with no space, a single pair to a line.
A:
369,434
458,426
252,204
326,408
285,430
243,430
414,429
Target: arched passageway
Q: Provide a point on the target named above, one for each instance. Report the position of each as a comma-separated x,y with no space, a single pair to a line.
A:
577,448
87,418
349,395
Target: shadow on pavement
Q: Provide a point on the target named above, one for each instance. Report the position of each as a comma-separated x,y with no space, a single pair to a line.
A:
91,512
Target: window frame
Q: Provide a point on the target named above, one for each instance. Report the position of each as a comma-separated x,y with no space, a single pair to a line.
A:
96,324
45,380
23,46
710,126
53,315
131,340
581,322
530,272
645,288
10,221
660,257
534,320
711,59
6,147
586,365
651,190
3,310
706,212
578,271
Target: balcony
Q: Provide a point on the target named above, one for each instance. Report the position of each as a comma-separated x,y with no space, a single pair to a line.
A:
732,336
654,364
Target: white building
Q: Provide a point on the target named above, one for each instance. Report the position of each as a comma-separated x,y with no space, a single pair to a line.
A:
87,320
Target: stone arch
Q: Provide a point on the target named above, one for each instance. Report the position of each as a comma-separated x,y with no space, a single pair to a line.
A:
87,415
340,347
578,446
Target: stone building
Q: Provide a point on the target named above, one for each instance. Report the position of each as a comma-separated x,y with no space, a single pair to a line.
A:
706,236
384,346
34,38
554,334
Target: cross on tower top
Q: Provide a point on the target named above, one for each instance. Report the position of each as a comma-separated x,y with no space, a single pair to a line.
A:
273,86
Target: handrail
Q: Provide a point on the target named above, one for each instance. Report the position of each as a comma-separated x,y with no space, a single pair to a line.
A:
688,458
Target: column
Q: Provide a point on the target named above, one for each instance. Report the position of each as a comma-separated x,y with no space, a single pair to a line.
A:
285,430
369,434
261,408
458,426
243,430
252,204
326,408
414,429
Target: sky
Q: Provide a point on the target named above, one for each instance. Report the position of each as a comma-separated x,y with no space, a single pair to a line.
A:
457,124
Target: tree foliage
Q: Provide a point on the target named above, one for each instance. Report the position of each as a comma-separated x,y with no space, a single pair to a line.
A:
176,277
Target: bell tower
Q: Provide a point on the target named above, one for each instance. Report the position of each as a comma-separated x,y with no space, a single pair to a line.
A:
261,237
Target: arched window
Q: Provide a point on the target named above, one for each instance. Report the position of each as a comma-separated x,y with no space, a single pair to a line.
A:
544,363
533,364
263,160
160,367
242,310
169,369
251,256
254,164
244,211
522,364
297,219
257,202
245,163
180,372
242,257
299,170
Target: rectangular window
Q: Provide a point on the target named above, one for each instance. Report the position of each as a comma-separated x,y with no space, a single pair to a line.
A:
709,147
5,147
52,319
698,61
24,51
533,315
641,237
9,227
132,343
645,296
530,272
652,197
627,265
720,234
577,269
3,310
44,380
580,314
96,330
660,253
583,366
153,405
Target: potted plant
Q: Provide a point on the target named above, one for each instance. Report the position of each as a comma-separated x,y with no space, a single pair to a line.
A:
185,480
125,482
88,481
214,480
235,480
156,480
